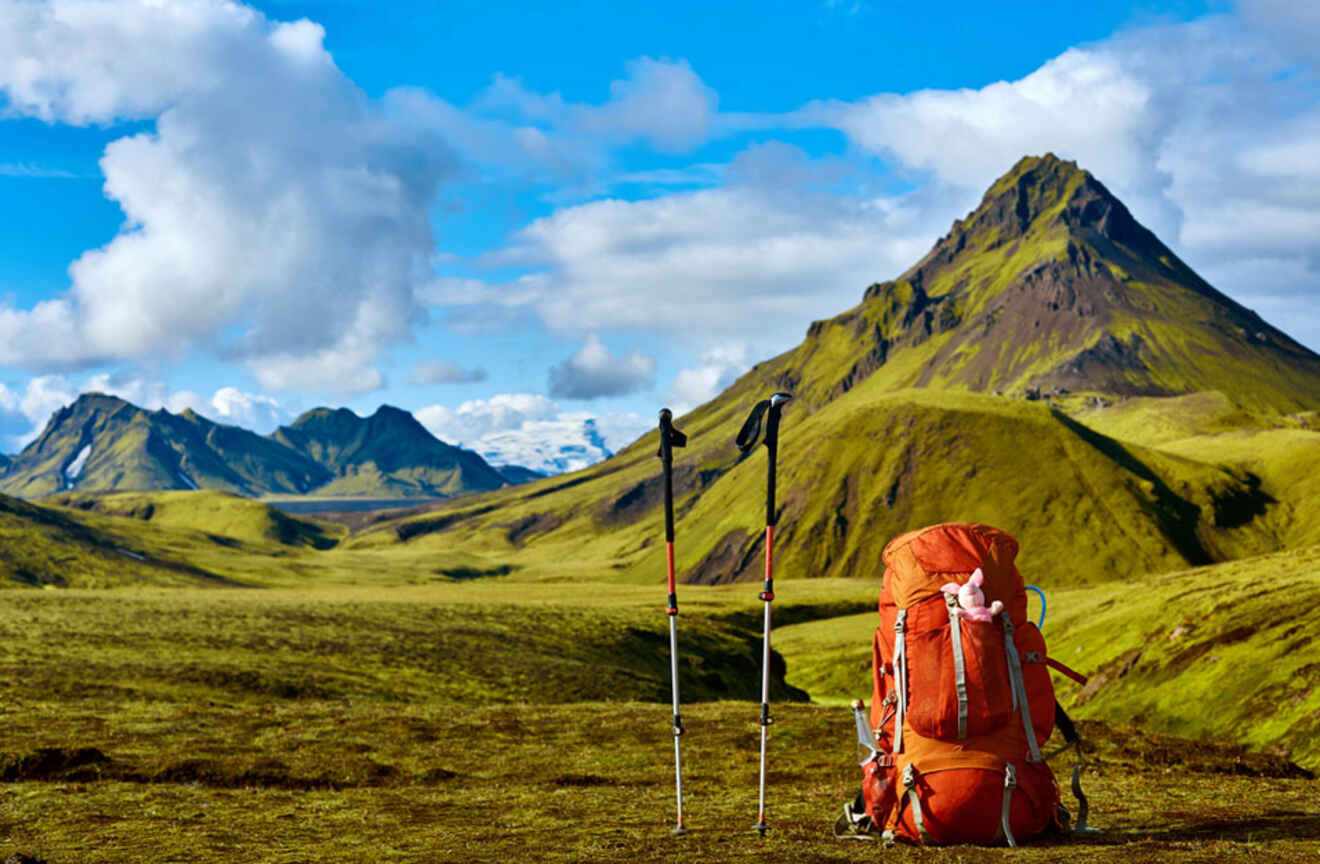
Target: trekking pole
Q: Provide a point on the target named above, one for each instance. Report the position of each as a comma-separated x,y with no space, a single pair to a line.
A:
747,439
669,439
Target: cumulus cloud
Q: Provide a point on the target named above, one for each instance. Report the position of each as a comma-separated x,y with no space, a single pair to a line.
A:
753,261
478,417
592,372
445,372
24,413
256,412
289,239
718,369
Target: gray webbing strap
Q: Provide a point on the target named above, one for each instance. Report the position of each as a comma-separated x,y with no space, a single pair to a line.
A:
910,784
959,663
1083,806
1010,783
1019,688
900,677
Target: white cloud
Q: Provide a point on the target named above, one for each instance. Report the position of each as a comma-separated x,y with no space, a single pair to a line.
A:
273,213
718,369
24,414
592,372
662,102
445,372
478,417
253,411
753,261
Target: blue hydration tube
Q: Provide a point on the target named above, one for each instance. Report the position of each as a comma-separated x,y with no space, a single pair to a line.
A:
1040,625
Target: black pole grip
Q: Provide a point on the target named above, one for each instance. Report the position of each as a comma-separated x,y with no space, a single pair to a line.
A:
669,439
1065,724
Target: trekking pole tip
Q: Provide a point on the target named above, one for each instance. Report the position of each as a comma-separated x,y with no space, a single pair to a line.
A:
761,827
678,831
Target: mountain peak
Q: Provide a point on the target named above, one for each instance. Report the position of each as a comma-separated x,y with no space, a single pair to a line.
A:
95,400
1051,286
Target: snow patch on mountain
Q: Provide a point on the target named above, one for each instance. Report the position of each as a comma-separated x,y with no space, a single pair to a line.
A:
548,446
74,468
532,431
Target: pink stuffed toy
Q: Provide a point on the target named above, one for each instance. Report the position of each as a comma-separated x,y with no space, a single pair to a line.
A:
971,599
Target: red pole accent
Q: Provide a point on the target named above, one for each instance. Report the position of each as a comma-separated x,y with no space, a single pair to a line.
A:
669,560
769,549
1074,675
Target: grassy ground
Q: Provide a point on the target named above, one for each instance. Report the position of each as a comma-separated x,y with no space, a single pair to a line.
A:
369,781
428,723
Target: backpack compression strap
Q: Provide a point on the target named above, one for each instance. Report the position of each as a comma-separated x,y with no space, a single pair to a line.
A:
1019,688
900,678
910,784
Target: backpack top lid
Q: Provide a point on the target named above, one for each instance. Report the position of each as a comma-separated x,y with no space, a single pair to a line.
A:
920,562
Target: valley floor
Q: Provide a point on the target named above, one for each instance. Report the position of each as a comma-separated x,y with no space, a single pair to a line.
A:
377,781
496,720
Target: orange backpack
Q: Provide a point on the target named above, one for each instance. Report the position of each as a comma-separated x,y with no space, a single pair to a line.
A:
961,708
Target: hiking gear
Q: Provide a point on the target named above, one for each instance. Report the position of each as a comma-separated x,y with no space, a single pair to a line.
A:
854,824
669,439
865,743
960,707
1040,625
747,437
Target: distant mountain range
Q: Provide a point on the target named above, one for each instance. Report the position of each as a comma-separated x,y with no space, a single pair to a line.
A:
103,443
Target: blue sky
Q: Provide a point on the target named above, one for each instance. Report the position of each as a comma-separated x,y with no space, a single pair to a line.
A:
512,218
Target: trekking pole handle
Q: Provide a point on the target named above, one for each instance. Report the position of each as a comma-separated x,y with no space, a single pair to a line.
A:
669,439
772,447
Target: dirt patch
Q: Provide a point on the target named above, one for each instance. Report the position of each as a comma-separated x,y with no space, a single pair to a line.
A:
1115,669
732,559
647,495
1190,655
88,764
583,780
539,523
438,775
464,573
21,858
421,527
55,764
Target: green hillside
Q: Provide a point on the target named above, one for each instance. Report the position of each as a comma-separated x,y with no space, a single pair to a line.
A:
46,547
858,472
388,454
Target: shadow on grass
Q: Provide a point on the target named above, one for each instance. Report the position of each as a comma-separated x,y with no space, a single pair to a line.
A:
1289,825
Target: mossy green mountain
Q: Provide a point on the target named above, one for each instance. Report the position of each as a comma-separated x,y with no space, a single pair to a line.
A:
101,443
386,454
959,391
